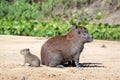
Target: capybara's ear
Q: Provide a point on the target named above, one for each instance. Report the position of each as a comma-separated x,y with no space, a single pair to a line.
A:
75,27
27,49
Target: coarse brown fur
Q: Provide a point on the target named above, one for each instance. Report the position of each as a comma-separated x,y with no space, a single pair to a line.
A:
29,58
61,49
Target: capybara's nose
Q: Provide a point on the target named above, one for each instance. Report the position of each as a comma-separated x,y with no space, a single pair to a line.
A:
91,38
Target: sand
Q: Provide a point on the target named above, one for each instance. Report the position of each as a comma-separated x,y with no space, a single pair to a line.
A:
100,60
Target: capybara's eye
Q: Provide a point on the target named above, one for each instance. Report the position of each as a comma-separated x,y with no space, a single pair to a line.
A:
76,27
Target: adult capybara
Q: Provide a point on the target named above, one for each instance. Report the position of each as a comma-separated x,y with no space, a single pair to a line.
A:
61,49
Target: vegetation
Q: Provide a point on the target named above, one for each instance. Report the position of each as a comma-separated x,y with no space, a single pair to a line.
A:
105,31
26,17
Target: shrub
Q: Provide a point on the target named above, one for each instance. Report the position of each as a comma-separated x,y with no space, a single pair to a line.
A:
105,31
24,18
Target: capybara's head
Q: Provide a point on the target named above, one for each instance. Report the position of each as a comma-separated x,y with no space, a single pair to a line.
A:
24,51
82,33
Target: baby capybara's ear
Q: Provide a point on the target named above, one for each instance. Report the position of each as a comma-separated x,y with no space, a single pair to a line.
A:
27,49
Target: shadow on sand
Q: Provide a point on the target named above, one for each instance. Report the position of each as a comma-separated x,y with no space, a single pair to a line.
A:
86,65
91,65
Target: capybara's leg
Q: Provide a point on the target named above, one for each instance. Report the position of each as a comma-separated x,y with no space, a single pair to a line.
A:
76,59
60,66
77,63
56,59
24,63
71,63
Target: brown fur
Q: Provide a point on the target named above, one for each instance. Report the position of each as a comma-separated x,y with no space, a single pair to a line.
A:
31,59
61,49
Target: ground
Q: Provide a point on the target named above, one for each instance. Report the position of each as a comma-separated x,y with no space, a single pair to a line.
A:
100,60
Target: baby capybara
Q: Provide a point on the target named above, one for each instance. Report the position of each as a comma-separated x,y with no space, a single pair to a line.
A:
29,58
61,49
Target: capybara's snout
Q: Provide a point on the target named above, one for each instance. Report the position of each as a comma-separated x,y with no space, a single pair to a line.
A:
90,38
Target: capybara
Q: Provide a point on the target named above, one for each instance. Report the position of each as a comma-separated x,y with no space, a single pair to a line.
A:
67,48
29,58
